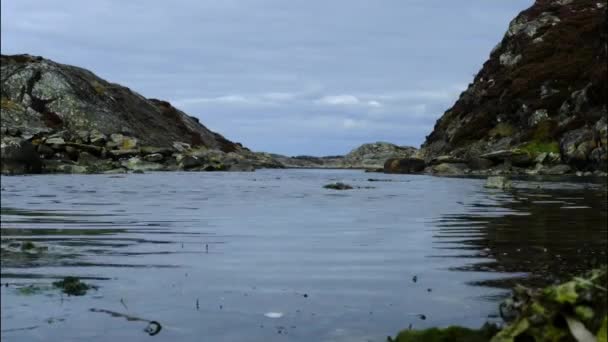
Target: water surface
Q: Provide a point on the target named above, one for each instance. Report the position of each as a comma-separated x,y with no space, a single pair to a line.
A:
334,265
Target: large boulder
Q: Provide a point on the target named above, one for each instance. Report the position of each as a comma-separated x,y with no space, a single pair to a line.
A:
19,156
404,165
576,146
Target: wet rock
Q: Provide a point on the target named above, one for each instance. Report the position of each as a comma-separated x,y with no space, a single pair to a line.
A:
576,145
449,168
19,156
115,171
189,162
560,169
599,158
338,186
92,149
241,167
498,182
137,164
119,154
406,165
478,163
45,151
514,157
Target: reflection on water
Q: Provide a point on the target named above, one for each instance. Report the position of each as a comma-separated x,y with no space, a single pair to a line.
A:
209,255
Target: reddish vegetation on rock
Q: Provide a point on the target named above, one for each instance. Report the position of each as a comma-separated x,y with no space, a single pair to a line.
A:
546,79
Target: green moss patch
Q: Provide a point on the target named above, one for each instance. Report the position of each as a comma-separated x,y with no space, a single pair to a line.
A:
502,130
536,147
449,334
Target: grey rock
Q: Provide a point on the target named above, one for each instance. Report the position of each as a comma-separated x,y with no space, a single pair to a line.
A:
154,157
56,141
576,145
118,154
137,164
560,169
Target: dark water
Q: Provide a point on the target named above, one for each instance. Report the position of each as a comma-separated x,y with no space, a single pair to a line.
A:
338,265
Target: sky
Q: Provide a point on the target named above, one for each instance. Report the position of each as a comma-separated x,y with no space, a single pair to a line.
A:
313,77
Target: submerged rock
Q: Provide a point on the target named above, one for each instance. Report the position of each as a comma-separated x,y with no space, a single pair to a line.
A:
338,186
498,182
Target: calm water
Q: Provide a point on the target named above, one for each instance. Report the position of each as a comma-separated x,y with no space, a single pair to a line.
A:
338,265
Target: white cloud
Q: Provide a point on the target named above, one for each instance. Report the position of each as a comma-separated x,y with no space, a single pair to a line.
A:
346,100
339,100
374,103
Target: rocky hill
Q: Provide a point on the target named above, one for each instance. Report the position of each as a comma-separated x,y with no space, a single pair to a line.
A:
367,156
61,118
538,105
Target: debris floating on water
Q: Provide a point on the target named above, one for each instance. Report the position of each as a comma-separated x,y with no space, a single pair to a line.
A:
274,314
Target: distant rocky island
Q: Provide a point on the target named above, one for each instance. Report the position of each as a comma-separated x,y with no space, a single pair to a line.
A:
538,106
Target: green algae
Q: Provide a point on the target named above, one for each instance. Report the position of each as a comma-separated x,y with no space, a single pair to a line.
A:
449,334
73,286
572,311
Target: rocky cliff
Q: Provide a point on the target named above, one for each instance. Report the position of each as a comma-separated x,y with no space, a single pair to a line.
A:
60,118
539,102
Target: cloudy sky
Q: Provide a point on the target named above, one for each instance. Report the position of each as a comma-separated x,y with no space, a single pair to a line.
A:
316,77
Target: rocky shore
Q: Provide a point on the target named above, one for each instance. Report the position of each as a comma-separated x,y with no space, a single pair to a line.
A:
63,119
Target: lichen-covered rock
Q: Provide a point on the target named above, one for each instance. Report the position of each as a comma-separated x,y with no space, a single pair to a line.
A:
374,155
65,110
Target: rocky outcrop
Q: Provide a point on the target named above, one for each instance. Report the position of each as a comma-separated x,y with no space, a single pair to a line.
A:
373,156
540,99
60,118
370,156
